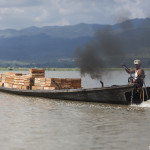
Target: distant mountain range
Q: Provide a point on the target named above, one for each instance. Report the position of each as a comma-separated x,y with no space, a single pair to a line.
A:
54,46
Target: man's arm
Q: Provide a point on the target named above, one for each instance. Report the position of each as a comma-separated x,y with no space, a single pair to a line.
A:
130,71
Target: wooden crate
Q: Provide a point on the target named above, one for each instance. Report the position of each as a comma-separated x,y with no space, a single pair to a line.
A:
56,82
76,82
8,85
37,73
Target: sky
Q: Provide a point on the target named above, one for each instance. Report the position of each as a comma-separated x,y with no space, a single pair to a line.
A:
19,14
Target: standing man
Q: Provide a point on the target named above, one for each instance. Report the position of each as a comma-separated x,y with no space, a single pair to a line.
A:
138,71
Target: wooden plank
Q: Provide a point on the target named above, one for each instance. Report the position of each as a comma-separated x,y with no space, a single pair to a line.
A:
17,86
37,88
1,84
49,88
25,87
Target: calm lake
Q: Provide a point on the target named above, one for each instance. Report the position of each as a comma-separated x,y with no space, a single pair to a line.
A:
28,123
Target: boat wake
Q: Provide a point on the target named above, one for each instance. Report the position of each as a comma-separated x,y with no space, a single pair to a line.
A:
144,104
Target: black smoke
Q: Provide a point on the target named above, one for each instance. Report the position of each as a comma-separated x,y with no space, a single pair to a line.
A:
104,50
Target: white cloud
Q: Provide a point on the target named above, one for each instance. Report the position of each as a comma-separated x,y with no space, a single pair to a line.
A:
19,3
129,9
23,13
42,16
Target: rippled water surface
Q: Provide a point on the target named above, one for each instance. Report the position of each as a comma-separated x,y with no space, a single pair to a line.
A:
28,123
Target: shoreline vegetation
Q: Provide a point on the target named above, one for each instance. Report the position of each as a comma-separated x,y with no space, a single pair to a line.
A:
62,69
47,69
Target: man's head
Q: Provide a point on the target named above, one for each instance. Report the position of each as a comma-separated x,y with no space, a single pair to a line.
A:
137,64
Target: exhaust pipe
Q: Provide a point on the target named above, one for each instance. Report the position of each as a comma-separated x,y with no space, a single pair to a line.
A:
102,83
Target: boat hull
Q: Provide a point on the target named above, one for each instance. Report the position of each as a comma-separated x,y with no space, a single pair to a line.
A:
113,94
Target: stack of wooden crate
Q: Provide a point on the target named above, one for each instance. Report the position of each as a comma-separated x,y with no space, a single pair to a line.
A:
23,82
36,80
46,84
37,73
9,79
56,83
17,80
76,83
71,83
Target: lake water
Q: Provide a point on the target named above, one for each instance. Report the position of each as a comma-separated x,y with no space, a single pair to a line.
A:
28,123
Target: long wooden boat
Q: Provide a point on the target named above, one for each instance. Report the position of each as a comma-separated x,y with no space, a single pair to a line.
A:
113,94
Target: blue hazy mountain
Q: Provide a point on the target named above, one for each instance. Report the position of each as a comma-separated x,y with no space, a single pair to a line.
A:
55,43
